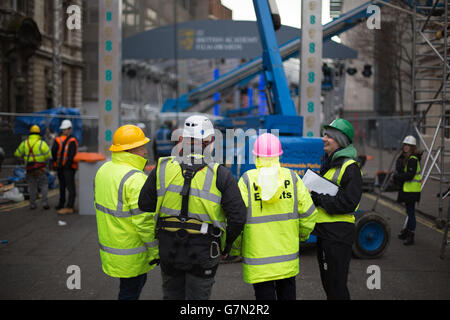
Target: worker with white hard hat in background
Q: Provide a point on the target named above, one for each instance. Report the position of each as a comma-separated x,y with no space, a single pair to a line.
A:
64,150
408,176
35,152
280,213
197,202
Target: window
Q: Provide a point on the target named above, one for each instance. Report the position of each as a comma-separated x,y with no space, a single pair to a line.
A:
48,21
22,6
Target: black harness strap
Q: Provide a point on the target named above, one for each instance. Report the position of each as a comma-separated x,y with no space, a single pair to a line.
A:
189,172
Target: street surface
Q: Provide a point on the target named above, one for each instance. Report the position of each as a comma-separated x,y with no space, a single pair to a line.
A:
39,250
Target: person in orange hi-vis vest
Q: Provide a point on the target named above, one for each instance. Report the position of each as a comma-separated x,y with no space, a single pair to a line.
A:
64,150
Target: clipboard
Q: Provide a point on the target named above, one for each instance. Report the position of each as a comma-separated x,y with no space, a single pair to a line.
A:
319,184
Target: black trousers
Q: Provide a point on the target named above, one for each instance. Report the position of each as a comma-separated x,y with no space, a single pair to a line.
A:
184,285
334,261
411,212
66,177
283,289
130,288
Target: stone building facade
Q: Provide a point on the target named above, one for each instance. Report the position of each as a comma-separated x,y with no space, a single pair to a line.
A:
26,56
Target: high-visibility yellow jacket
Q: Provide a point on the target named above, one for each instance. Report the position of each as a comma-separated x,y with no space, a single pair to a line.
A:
272,233
33,149
204,196
335,175
126,234
414,185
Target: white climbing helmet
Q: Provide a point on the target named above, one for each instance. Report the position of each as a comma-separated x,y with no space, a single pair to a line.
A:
198,127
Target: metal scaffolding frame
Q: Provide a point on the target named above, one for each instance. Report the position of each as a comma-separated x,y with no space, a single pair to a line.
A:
431,95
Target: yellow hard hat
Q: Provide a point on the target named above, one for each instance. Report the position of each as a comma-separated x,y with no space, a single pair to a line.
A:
128,137
35,129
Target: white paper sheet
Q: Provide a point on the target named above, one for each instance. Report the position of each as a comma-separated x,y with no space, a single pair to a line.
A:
317,183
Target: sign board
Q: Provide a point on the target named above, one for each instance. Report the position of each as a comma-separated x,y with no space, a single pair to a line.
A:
311,67
109,68
208,39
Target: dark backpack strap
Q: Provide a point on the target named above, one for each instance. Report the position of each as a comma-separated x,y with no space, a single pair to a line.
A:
189,172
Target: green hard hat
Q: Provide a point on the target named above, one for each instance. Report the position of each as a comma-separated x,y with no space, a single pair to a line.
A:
344,126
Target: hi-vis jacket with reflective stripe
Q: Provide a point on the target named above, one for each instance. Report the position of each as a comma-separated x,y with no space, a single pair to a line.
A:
204,197
335,175
126,234
270,241
414,185
40,151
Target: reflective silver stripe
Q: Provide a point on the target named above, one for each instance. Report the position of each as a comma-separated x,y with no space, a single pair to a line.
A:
272,218
203,194
123,252
206,195
162,176
174,188
152,244
118,212
294,181
120,191
336,175
169,211
308,212
249,191
137,211
114,213
267,260
208,178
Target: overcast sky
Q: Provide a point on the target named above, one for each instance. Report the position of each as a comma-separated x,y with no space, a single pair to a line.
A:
289,11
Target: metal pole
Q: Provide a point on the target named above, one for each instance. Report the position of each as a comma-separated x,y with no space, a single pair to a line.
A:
175,48
443,107
57,44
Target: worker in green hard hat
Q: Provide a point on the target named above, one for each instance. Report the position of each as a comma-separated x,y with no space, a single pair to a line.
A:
335,226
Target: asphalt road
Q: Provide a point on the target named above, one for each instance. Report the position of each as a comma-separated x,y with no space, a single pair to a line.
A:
35,260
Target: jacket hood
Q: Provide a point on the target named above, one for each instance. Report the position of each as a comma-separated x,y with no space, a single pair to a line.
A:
348,152
34,137
130,159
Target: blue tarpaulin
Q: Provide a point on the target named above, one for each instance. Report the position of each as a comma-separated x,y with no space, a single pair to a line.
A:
23,123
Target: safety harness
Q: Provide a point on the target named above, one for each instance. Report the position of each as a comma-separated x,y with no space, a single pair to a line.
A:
187,243
182,224
33,167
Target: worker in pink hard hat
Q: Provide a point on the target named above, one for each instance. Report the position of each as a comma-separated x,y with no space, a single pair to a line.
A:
267,145
280,213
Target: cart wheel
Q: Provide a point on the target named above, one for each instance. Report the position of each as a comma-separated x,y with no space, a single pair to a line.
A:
372,237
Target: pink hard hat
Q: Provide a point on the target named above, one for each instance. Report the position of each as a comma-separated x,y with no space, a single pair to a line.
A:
267,145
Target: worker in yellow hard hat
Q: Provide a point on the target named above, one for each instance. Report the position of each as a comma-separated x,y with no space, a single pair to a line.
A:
126,234
35,152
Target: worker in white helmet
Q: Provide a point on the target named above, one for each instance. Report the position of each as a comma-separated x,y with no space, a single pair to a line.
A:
64,150
408,177
196,201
